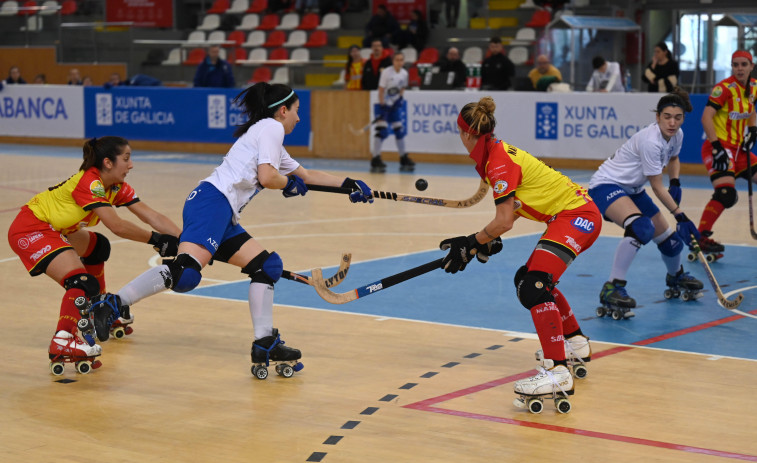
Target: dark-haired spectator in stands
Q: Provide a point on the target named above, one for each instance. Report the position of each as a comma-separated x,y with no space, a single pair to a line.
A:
662,73
353,72
306,6
114,81
279,6
451,63
415,34
380,59
544,74
14,76
214,71
382,25
497,70
74,78
40,79
451,11
606,76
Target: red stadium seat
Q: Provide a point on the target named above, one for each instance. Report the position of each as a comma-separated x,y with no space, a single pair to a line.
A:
278,53
429,55
238,37
309,22
237,54
68,7
317,39
28,4
269,22
414,78
540,18
219,7
257,6
261,74
275,39
195,57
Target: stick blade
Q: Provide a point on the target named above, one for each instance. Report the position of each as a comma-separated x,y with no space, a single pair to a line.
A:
731,304
328,295
341,274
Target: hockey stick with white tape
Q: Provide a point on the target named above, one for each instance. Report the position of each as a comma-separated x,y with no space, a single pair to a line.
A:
730,305
344,267
749,188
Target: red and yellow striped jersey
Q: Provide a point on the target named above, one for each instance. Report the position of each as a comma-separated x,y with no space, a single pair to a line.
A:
734,105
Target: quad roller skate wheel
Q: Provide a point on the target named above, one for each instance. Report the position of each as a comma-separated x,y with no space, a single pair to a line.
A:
685,296
617,314
710,258
285,370
668,294
259,371
601,312
562,405
57,368
83,367
119,332
691,257
580,371
535,405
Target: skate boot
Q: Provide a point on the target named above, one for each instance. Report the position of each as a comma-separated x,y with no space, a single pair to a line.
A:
377,165
551,381
406,164
683,285
577,353
271,349
68,348
615,301
110,315
711,249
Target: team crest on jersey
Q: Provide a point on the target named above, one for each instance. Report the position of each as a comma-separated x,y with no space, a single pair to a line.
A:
716,92
97,189
500,186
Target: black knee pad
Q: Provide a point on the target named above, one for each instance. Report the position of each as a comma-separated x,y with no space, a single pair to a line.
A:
519,274
84,281
535,288
100,253
185,273
265,268
725,195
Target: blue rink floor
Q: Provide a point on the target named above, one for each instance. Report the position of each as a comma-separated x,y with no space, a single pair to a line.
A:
484,296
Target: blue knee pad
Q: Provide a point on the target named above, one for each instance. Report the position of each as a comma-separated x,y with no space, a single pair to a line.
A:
185,273
265,268
399,132
382,132
672,246
642,229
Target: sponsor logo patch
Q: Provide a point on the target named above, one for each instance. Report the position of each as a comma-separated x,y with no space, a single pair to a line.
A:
97,189
500,186
582,225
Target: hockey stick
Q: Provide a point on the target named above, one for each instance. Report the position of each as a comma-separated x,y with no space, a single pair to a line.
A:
371,288
468,202
344,267
749,187
365,127
730,305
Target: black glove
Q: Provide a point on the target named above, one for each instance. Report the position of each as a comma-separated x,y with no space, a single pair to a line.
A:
749,139
461,251
165,245
675,190
488,249
295,186
361,191
719,157
686,228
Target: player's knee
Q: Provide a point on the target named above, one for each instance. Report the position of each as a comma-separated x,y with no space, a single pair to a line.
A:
100,252
725,195
534,288
84,281
519,274
265,268
640,228
185,273
672,245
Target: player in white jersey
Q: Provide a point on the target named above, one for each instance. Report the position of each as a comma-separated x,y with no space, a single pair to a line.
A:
255,162
392,84
618,189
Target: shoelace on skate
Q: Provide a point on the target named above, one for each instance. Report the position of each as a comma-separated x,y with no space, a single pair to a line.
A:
554,381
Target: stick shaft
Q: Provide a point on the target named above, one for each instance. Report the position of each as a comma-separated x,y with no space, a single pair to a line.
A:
749,187
397,278
711,276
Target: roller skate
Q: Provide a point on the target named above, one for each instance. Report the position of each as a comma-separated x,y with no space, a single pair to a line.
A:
406,164
615,301
711,249
377,165
110,316
577,353
68,348
552,381
683,285
271,349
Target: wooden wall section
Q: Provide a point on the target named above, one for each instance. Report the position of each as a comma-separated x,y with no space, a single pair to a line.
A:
333,111
42,60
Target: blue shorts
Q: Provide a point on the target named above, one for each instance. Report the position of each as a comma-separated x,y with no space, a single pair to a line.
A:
208,217
394,115
607,193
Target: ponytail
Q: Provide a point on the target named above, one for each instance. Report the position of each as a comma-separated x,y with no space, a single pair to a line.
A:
262,100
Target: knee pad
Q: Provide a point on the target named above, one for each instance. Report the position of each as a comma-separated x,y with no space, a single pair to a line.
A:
382,131
84,281
672,245
265,268
640,228
100,252
399,131
185,273
519,274
725,195
535,288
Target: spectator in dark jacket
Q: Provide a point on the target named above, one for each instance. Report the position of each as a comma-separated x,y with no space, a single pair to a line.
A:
379,60
496,70
14,76
451,63
416,33
214,71
382,25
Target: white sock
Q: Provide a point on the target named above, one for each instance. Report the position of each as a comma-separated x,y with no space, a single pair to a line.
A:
261,309
624,255
148,283
377,147
401,146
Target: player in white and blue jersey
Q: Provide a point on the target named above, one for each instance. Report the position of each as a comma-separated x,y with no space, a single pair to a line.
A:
392,84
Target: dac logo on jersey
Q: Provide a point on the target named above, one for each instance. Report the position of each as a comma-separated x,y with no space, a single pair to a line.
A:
500,186
97,189
104,108
546,121
582,225
216,111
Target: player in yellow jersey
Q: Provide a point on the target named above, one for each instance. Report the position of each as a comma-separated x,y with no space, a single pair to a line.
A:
730,125
525,187
49,237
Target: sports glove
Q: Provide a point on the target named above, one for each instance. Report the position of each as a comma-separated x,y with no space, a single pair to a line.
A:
488,249
461,250
719,157
749,139
675,190
686,228
165,245
295,186
362,192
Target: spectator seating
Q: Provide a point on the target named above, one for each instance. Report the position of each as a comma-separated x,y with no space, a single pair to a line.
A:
300,54
173,58
237,54
540,18
28,8
281,76
330,22
429,55
472,55
296,39
518,55
210,22
50,7
269,22
524,36
317,39
258,54
238,7
340,82
195,57
9,8
249,22
278,53
254,39
217,36
68,7
261,74
289,22
275,39
309,22
414,77
238,37
196,37
257,6
218,7
365,53
411,55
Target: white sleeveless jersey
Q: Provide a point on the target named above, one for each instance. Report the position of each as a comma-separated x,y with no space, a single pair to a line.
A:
645,154
237,176
393,83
